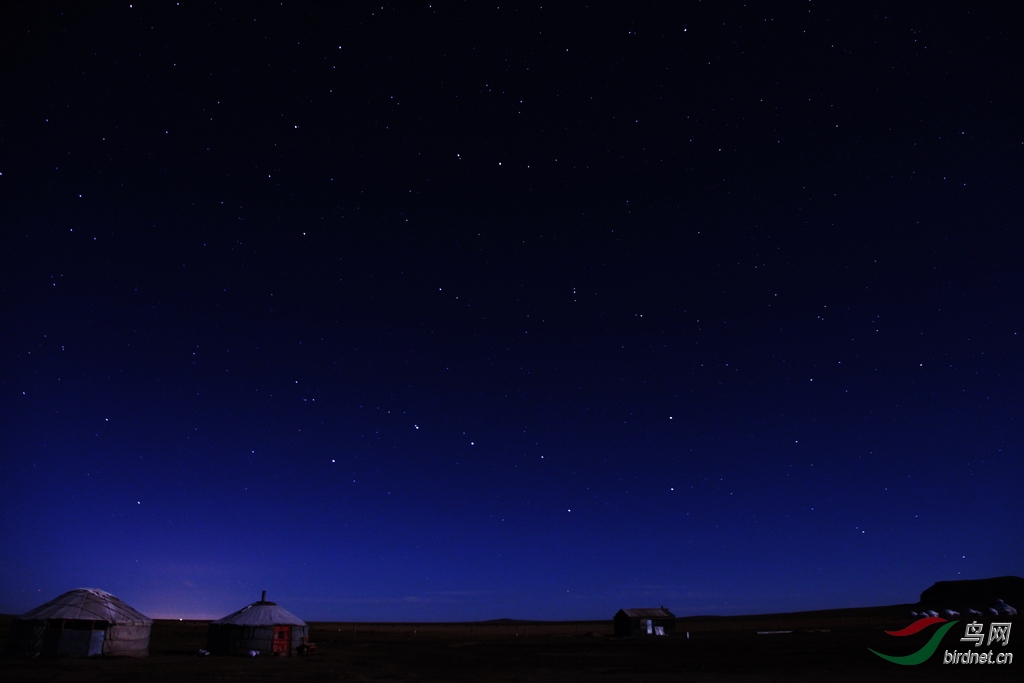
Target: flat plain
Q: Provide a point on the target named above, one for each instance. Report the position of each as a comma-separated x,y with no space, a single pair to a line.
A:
823,646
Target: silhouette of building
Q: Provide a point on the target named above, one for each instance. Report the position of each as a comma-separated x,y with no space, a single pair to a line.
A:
644,621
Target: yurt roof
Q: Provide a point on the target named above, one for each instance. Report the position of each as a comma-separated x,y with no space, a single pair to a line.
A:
261,614
90,604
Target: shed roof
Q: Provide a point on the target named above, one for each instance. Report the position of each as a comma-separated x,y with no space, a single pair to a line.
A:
648,613
91,604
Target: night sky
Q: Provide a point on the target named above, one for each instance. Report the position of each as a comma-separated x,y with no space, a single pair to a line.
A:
458,311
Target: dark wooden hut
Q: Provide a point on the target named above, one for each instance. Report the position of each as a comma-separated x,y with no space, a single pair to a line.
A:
644,621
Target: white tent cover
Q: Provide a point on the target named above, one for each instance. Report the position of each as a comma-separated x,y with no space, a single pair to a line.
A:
91,604
261,614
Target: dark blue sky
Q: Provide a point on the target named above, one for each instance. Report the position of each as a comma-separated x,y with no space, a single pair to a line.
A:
440,311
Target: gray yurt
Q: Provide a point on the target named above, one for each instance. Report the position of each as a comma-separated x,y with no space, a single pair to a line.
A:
261,627
85,622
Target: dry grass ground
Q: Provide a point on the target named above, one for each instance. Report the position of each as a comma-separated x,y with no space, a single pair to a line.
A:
723,649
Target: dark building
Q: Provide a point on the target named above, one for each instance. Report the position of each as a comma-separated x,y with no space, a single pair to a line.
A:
644,621
978,594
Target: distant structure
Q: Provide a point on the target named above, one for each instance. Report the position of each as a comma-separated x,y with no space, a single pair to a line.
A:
974,593
85,622
1004,609
974,598
644,621
261,627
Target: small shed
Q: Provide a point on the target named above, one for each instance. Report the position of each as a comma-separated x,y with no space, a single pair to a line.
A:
262,627
644,621
85,622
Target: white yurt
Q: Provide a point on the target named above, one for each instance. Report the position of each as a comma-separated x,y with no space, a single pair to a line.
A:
85,622
262,627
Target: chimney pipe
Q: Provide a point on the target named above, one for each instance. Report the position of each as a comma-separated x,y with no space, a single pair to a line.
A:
264,598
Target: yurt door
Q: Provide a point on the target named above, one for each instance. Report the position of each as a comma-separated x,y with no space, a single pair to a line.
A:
282,640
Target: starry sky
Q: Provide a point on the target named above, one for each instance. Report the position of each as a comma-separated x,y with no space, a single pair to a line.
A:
458,311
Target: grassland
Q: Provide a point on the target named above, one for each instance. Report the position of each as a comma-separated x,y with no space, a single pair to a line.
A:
822,646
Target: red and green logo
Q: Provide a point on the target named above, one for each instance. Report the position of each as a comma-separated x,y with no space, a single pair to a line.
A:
929,648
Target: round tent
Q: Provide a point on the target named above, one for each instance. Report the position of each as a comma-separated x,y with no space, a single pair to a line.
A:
81,623
262,627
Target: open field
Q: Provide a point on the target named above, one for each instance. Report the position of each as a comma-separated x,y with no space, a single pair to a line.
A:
824,646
